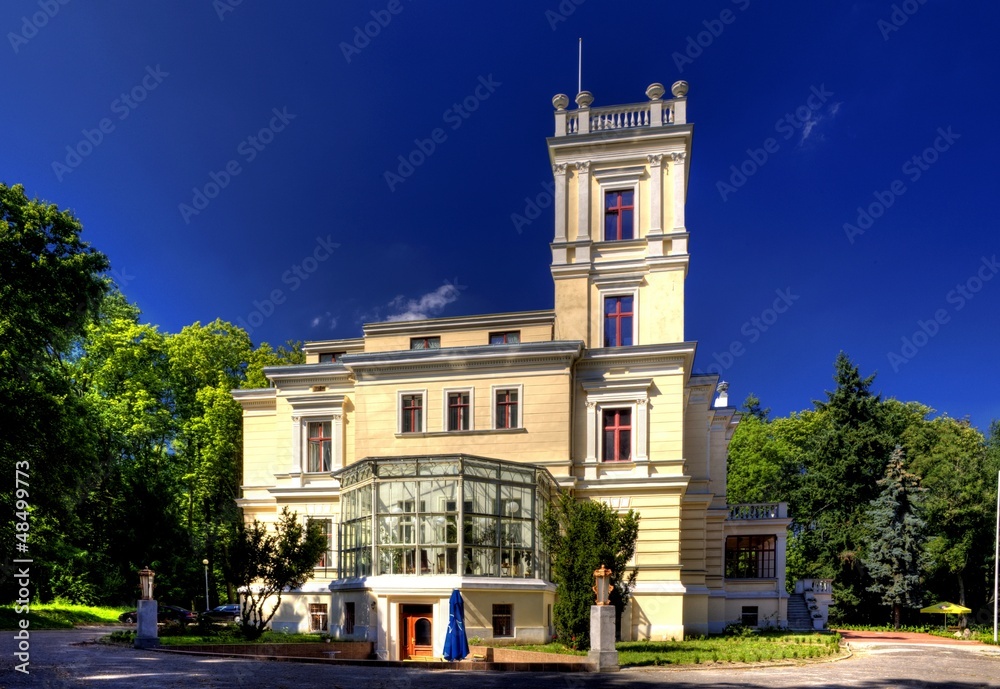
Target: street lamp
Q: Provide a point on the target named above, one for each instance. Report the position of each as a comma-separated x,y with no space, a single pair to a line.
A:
205,563
602,585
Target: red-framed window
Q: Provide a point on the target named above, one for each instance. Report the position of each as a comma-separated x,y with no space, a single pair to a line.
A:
425,343
511,337
412,414
320,446
506,409
618,315
617,426
458,411
619,214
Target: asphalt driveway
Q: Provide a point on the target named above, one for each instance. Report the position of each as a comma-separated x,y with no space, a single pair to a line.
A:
71,659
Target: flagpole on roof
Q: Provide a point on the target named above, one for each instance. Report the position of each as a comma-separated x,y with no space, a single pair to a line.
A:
579,69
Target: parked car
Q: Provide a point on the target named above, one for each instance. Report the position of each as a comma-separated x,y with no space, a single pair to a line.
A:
223,613
164,613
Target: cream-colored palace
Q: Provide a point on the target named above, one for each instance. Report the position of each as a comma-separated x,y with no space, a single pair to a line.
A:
429,449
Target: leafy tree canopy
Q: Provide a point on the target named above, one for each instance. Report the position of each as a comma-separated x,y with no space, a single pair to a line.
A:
580,537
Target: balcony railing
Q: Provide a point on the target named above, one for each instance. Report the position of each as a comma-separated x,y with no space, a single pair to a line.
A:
758,510
654,113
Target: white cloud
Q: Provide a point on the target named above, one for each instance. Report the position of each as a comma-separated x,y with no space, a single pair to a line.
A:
810,125
425,306
324,319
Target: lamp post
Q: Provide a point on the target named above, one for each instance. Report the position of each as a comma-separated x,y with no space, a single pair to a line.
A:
602,624
146,611
602,585
996,562
205,563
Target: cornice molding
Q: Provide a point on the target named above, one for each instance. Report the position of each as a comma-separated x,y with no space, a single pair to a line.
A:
492,320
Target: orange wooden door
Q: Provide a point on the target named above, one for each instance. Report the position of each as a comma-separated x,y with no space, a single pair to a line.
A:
418,636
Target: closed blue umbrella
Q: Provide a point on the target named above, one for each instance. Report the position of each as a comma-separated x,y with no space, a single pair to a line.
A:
456,644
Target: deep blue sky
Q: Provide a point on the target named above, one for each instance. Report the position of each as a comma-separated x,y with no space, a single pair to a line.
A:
442,242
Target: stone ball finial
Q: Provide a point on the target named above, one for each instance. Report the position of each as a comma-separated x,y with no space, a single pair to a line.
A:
679,89
584,99
560,101
655,91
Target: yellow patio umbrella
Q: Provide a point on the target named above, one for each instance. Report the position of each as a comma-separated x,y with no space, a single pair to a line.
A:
945,608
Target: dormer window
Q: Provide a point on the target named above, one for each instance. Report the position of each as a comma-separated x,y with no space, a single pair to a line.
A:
619,214
330,357
511,337
425,343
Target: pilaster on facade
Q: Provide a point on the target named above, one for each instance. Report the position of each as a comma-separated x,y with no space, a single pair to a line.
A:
559,203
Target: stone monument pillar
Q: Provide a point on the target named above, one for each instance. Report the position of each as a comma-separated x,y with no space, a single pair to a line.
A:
146,612
602,625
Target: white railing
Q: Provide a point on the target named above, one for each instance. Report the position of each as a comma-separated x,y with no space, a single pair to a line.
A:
621,117
650,114
814,586
759,510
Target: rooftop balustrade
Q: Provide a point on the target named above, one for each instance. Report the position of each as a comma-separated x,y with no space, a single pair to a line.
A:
758,510
654,113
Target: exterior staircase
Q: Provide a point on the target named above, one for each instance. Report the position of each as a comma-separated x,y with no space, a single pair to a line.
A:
799,617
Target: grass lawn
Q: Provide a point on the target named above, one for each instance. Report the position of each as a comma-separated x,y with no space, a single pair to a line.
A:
229,635
59,616
751,648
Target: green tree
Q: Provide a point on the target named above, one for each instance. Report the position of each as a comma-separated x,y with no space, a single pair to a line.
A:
265,355
50,284
765,456
841,464
264,563
894,550
950,457
580,537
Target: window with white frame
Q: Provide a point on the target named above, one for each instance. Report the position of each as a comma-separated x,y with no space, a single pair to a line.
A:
619,198
458,410
326,560
619,320
507,403
617,419
318,617
411,412
317,432
319,446
616,426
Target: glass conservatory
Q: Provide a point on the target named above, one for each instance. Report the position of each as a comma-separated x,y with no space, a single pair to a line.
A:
446,514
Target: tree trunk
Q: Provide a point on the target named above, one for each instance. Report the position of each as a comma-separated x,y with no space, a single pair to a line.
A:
897,615
962,621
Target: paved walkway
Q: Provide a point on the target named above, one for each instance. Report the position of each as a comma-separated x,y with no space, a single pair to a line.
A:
910,638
